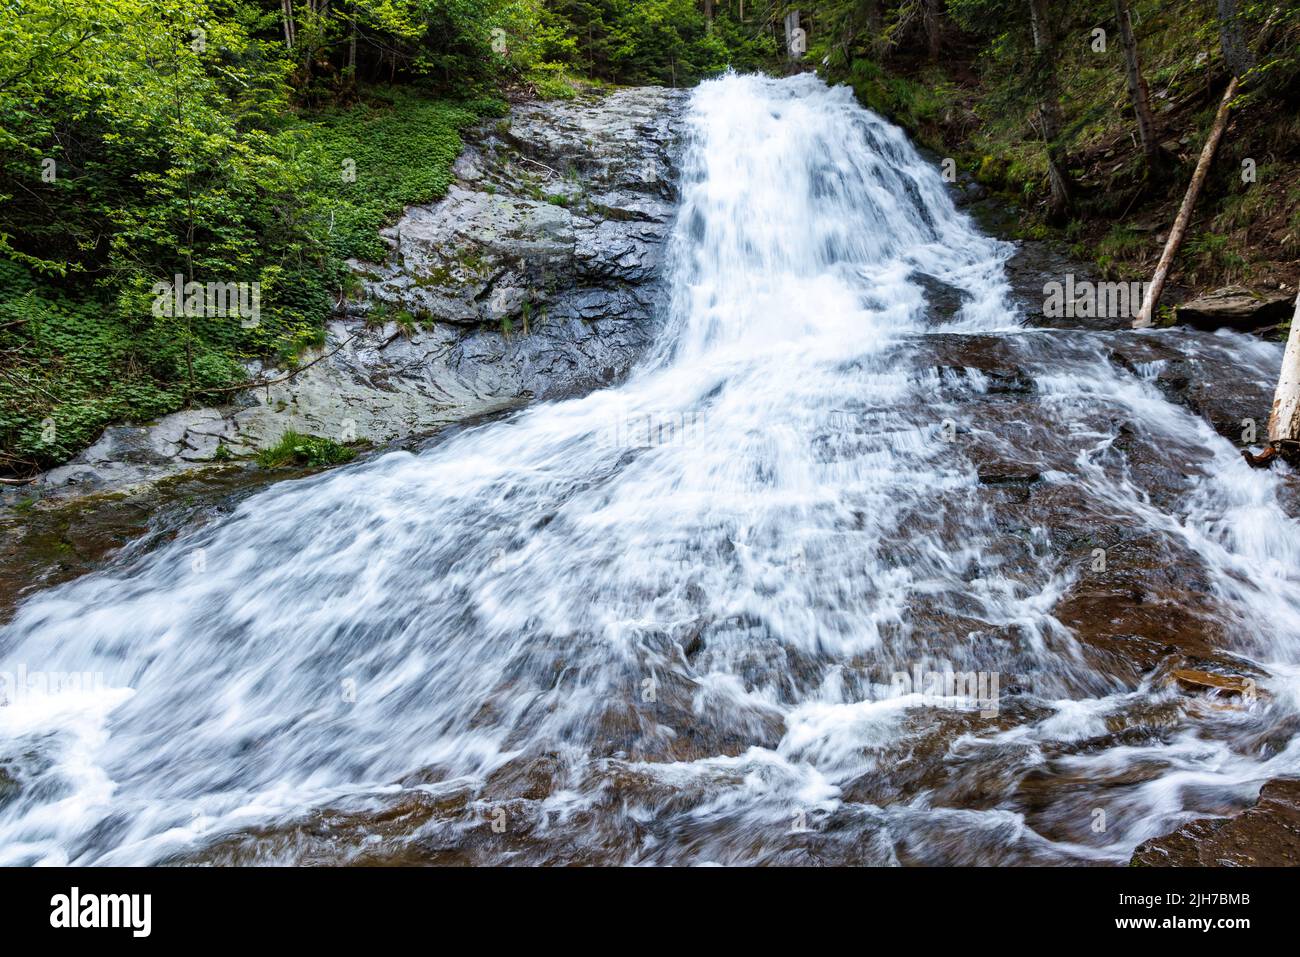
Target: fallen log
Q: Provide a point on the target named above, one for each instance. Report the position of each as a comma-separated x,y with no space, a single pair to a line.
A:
1157,286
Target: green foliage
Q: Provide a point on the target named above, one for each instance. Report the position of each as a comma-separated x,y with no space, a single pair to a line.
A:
914,103
71,367
139,143
649,41
450,46
294,448
1117,248
365,163
1179,50
552,81
987,18
1211,253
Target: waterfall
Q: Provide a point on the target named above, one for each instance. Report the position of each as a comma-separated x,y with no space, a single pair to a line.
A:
690,618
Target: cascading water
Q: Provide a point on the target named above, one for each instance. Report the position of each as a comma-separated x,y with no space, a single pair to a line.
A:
664,623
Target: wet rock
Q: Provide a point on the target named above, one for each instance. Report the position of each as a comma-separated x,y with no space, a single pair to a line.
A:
943,302
964,194
1227,409
385,833
1141,602
692,642
924,760
1002,381
1195,680
1032,269
530,778
1236,307
680,725
1266,835
45,542
9,787
987,363
1007,473
1199,376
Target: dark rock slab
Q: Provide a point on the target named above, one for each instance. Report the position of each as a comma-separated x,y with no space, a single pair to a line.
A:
1197,374
943,301
1266,835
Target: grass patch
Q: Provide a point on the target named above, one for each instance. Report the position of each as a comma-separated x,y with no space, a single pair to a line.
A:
552,81
370,161
1119,248
313,451
1211,254
917,104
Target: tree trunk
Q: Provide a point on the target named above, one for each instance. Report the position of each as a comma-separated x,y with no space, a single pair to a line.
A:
352,46
930,16
1049,111
1184,217
1284,420
708,10
791,35
1235,52
286,9
1137,86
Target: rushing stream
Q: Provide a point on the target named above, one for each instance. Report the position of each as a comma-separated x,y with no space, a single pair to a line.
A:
664,623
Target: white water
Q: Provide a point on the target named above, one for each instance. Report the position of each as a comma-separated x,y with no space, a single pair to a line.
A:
509,592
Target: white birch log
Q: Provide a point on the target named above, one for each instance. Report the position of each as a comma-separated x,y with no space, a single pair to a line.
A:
1284,420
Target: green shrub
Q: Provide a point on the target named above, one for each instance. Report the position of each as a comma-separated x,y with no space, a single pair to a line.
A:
552,81
294,448
366,163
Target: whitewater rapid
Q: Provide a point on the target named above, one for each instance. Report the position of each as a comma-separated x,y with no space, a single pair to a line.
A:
680,603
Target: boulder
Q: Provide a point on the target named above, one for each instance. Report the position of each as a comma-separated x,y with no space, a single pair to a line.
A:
558,215
943,301
1196,681
1236,307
